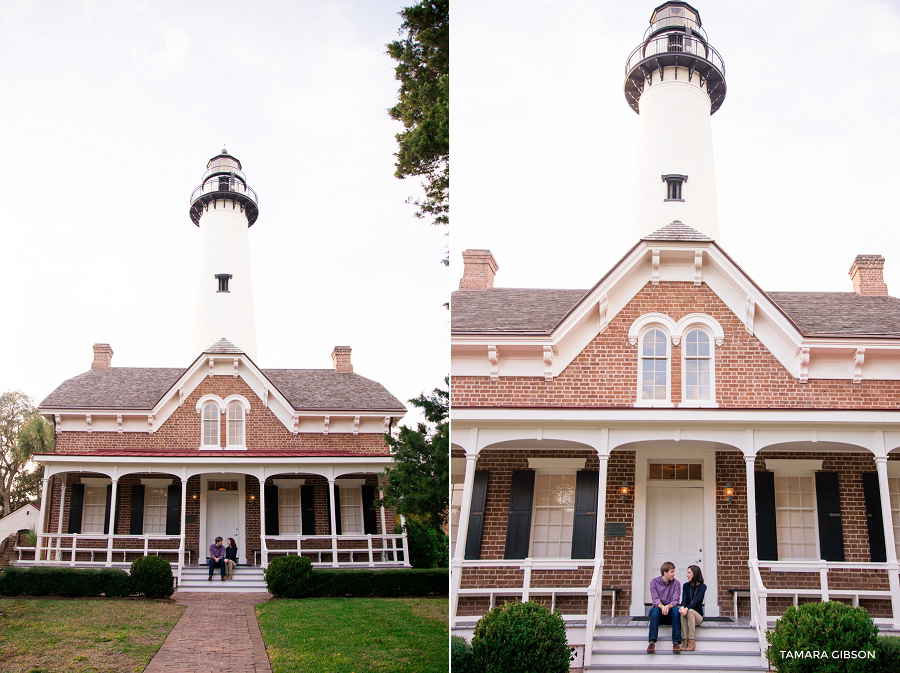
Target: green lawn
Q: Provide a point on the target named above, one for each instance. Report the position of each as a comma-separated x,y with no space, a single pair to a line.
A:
356,635
53,635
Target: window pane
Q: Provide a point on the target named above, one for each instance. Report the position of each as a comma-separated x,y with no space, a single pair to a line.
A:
235,424
795,517
94,509
655,471
155,510
210,424
289,510
351,509
552,522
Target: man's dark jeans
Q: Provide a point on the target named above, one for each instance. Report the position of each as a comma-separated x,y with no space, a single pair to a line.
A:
657,618
212,564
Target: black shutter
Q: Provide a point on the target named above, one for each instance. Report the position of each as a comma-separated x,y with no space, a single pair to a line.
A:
136,527
518,523
828,507
584,528
370,525
337,509
874,520
307,510
476,515
766,537
76,506
271,493
108,508
173,509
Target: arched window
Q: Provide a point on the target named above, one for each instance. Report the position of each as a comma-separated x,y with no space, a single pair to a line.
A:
210,424
697,366
654,374
235,434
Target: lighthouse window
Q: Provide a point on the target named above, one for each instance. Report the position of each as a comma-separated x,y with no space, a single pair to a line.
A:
676,42
223,279
673,187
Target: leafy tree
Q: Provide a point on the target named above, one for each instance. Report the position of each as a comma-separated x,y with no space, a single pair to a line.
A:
423,70
417,485
20,436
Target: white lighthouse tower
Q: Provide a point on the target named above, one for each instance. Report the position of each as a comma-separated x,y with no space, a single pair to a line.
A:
224,207
675,81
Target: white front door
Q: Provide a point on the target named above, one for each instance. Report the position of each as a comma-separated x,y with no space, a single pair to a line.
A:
223,517
674,531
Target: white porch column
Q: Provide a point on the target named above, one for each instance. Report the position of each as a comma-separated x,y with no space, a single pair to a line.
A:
62,508
462,531
384,543
183,530
263,551
889,542
601,508
752,551
331,503
405,540
45,484
112,521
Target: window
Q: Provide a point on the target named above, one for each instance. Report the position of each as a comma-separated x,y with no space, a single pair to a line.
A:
676,41
676,471
795,517
697,366
894,490
223,279
155,510
351,509
553,517
289,510
94,511
673,184
654,375
213,485
210,425
235,433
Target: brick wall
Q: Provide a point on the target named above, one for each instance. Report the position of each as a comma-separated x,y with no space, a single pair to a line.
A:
181,431
604,374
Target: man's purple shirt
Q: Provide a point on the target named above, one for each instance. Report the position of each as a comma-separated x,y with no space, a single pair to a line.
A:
664,594
216,552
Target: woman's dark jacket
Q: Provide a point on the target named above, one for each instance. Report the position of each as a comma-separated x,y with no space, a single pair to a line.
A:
231,553
691,596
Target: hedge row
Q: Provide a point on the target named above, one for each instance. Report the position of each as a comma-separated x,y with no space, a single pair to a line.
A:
68,582
150,576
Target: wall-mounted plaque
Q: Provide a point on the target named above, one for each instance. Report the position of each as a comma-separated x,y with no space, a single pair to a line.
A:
190,518
615,530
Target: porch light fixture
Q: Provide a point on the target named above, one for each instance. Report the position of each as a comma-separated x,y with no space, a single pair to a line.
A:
623,489
252,497
728,491
221,488
194,497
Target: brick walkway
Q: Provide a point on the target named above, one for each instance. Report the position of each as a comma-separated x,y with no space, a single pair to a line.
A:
228,643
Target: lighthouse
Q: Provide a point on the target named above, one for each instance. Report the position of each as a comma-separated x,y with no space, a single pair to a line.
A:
675,81
224,207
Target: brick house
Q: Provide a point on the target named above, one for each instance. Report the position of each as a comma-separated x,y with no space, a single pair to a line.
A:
675,411
163,460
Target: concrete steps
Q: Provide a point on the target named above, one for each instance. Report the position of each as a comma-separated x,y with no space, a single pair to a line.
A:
247,579
731,648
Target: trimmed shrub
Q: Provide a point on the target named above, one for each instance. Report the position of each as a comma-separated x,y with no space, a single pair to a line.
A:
152,577
69,582
461,660
822,627
386,582
521,638
887,654
289,576
428,547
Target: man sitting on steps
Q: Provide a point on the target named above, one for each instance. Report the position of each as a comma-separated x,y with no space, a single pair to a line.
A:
217,557
665,592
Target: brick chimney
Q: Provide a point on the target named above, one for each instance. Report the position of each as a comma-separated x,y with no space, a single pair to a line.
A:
478,271
867,275
340,357
102,356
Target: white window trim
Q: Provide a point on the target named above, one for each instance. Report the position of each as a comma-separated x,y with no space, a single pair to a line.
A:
549,471
201,403
640,401
560,465
93,482
357,485
157,483
800,468
711,402
245,409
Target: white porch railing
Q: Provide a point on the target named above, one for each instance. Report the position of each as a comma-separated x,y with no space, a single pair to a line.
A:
339,551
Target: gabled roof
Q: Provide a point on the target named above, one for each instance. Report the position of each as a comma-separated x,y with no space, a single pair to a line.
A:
676,231
223,345
142,387
840,313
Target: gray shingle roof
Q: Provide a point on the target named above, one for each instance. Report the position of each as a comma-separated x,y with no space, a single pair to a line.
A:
840,313
676,231
142,387
510,309
223,345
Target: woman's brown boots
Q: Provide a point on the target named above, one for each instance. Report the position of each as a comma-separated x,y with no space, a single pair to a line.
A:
688,645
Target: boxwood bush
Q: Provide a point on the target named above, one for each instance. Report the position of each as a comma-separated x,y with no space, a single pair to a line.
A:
521,638
461,660
887,655
69,582
385,582
152,577
289,576
819,627
429,547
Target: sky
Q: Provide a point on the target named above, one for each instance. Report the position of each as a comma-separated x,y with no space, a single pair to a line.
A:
806,143
111,110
